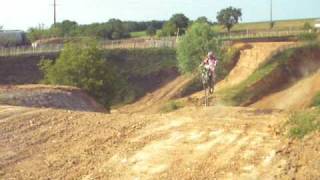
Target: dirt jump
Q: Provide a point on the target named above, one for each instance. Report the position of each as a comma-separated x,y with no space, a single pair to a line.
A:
45,96
138,142
298,96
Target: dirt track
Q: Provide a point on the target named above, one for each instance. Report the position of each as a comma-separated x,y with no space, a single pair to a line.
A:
192,143
217,142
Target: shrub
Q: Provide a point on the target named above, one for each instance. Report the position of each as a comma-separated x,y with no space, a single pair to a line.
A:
172,106
83,66
192,48
308,36
307,26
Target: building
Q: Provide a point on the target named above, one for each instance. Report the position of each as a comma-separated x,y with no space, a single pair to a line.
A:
13,38
317,24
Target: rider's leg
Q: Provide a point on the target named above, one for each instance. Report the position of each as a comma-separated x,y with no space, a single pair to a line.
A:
211,83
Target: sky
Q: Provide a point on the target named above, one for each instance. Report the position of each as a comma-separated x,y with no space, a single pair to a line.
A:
22,14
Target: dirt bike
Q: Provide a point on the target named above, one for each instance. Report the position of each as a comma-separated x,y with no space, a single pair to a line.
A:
206,79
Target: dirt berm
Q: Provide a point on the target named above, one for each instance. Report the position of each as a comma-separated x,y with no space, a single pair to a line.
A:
61,97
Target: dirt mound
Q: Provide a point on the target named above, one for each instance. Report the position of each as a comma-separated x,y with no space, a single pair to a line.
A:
295,97
193,143
250,60
152,102
291,85
61,97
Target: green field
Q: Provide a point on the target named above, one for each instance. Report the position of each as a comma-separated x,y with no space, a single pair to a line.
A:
138,34
296,24
279,25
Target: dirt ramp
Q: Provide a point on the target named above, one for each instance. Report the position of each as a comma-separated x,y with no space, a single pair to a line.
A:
250,60
152,102
61,97
297,96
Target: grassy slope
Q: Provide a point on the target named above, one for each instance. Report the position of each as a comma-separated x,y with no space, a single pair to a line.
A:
141,70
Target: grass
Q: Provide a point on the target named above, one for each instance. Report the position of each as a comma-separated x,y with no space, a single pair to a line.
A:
172,106
296,24
138,34
303,122
316,100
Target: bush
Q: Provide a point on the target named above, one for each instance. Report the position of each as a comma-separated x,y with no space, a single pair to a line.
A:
171,106
308,36
307,26
192,48
316,100
83,66
304,122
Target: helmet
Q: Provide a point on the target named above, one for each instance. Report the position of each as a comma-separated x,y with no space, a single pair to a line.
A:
210,54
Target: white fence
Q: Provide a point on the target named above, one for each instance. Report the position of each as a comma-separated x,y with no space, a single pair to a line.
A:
261,34
170,42
116,44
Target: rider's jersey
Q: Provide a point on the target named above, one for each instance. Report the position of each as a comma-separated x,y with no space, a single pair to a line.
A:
210,63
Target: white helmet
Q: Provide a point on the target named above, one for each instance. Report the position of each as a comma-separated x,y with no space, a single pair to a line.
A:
210,54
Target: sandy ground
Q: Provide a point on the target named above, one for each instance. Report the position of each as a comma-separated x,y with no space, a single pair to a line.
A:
193,143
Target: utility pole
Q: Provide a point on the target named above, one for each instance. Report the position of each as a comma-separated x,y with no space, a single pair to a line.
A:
271,18
54,12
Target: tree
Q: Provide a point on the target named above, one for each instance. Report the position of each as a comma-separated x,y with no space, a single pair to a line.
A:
180,20
229,17
307,26
199,39
169,29
151,31
203,19
82,65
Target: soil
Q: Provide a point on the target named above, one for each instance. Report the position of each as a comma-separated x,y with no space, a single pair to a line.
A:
215,142
45,96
